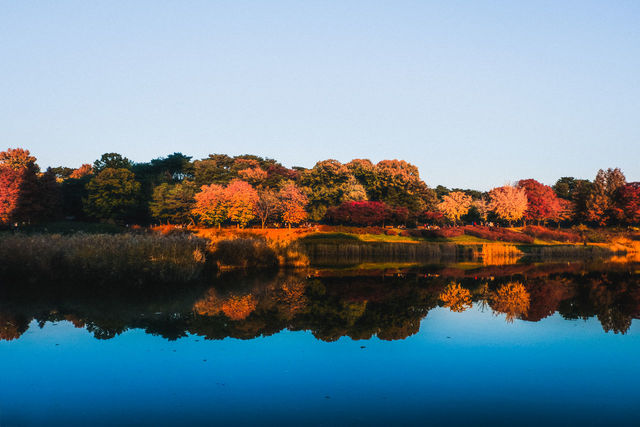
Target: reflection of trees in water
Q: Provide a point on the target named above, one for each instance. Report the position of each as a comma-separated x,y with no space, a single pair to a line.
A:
511,299
12,326
389,305
456,298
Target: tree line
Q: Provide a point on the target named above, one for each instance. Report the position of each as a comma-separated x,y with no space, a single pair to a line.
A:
251,190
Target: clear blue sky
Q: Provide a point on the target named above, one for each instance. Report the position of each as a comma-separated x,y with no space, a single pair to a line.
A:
474,93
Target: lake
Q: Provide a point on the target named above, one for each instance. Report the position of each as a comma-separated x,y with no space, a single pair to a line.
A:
464,343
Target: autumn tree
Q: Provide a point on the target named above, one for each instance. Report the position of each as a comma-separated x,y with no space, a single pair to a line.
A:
211,204
542,203
268,205
600,206
172,203
627,208
455,205
26,195
84,170
242,199
112,195
508,203
10,180
293,203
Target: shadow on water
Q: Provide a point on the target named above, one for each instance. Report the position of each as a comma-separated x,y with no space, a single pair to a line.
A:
384,300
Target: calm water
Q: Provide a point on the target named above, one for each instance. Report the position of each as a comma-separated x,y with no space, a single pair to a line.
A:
518,344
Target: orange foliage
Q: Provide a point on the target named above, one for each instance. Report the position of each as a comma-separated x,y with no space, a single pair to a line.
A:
234,307
511,299
82,171
455,205
456,298
293,203
239,308
508,202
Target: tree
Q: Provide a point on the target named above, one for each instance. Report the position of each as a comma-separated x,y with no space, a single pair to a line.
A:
216,169
82,171
365,173
172,203
455,205
111,161
628,204
293,203
267,206
10,181
354,191
600,206
112,195
17,158
211,204
508,202
325,185
242,199
399,184
26,195
542,203
254,176
481,206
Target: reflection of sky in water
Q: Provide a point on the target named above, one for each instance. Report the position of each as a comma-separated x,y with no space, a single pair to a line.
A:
469,367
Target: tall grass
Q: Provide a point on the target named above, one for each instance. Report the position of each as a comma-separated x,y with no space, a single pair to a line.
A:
120,258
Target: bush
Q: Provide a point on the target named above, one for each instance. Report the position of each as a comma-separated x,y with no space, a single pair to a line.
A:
498,234
442,232
550,234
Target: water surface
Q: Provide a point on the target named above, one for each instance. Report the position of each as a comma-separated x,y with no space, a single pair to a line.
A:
325,347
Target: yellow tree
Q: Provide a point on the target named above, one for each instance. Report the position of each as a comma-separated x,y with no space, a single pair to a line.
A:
455,205
508,202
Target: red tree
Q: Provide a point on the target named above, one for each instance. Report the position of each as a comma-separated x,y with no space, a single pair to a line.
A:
628,207
10,182
359,213
543,204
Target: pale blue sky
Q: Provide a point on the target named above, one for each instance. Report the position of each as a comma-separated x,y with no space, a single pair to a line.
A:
474,93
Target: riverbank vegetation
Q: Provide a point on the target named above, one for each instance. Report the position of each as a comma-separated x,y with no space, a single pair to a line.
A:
251,191
251,212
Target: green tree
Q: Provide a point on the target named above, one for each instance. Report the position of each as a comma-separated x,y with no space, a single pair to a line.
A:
325,185
111,161
172,203
399,184
112,195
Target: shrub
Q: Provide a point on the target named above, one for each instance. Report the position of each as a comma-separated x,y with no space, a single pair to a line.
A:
550,234
498,234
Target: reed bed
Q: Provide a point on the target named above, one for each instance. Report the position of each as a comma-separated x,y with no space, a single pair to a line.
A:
101,258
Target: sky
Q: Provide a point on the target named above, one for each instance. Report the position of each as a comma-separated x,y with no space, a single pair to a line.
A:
475,93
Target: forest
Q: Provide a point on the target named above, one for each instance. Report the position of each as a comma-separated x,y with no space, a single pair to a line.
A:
251,191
